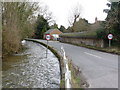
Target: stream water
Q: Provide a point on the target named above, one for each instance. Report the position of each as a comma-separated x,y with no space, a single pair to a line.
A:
31,69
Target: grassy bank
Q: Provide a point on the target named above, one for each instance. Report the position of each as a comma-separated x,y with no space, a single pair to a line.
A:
77,79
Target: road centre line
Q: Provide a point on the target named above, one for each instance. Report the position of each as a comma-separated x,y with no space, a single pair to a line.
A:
92,55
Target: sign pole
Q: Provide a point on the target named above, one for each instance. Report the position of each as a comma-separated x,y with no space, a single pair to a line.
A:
47,49
47,38
109,43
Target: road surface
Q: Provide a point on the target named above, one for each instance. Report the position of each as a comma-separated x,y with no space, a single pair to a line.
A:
99,68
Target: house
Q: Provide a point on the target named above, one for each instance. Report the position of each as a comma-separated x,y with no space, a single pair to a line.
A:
54,34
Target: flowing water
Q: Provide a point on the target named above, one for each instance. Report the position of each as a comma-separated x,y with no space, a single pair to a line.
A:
31,69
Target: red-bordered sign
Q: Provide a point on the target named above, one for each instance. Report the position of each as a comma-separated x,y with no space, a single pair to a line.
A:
47,37
110,36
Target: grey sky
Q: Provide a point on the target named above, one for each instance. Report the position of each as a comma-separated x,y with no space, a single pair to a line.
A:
90,9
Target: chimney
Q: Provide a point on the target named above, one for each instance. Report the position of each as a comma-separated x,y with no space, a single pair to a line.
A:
96,20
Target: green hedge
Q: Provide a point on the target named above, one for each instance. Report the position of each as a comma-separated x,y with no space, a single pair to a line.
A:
88,34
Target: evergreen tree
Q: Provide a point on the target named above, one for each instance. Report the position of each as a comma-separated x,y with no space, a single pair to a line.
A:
62,28
41,27
54,26
113,20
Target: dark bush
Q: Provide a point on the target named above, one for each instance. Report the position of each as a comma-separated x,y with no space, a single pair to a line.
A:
101,34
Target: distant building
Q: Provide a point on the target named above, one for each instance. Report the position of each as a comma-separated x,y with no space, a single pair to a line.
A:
54,34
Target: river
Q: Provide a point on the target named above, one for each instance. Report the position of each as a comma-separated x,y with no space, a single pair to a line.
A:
31,68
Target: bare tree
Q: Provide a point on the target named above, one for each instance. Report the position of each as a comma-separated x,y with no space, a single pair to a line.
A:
75,16
44,11
16,24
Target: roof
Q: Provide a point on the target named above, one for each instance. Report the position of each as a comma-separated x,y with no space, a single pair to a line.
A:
49,31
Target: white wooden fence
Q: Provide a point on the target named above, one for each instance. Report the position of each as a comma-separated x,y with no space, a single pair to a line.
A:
66,69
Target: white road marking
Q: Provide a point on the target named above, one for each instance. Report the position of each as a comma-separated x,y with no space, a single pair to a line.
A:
92,55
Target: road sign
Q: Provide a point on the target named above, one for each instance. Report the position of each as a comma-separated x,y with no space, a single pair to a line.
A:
48,37
110,36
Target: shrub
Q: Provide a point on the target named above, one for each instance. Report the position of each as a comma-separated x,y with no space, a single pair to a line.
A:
101,34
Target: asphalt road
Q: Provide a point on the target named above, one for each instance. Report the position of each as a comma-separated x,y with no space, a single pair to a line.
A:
100,69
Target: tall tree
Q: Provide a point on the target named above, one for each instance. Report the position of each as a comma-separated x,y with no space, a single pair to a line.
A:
113,20
75,16
44,11
41,27
62,28
54,26
81,25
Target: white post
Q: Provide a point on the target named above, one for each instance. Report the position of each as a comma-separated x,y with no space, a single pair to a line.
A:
67,72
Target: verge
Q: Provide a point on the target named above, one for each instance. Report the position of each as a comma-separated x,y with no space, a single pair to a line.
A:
77,78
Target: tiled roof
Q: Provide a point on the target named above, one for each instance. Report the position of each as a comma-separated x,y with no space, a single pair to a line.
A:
49,31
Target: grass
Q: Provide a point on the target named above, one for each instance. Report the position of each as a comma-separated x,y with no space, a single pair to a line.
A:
77,80
62,83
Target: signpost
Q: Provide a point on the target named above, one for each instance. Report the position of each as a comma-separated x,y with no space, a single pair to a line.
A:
110,37
47,38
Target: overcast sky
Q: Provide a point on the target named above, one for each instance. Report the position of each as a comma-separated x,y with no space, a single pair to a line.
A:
90,9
